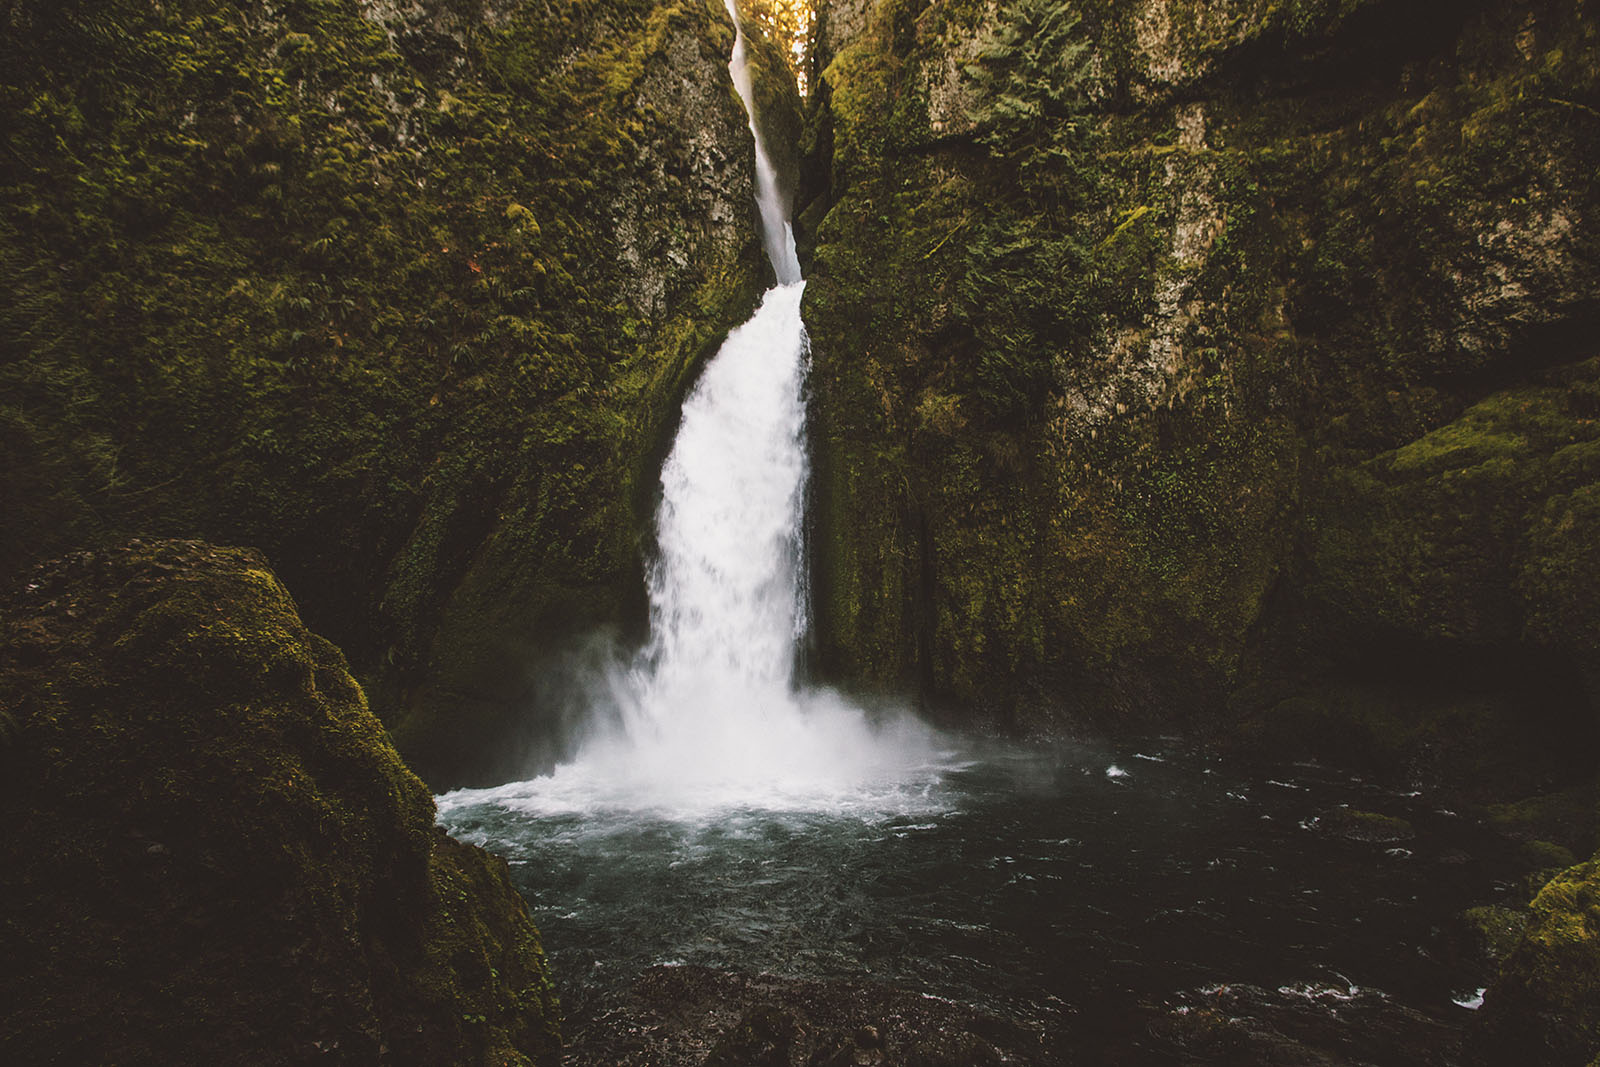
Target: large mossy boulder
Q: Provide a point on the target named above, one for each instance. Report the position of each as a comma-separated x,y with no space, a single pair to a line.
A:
212,852
1545,1006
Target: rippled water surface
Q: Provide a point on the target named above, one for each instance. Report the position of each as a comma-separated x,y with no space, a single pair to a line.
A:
1070,884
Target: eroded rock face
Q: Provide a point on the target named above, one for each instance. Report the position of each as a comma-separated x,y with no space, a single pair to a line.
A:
686,204
1167,349
214,855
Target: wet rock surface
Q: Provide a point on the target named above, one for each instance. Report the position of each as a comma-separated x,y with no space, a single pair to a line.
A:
1320,1025
683,1016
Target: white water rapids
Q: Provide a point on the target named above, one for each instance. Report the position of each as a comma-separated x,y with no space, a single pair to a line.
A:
708,717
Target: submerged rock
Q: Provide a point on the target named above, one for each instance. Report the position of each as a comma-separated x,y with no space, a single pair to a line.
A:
1368,827
213,853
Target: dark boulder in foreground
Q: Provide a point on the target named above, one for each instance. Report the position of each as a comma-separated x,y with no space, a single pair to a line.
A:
212,852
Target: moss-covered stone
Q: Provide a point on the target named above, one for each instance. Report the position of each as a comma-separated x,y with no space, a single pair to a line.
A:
213,854
1545,1007
1494,931
1554,826
1454,536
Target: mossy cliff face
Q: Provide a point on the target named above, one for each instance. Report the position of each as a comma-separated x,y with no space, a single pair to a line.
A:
212,852
1174,355
565,554
405,294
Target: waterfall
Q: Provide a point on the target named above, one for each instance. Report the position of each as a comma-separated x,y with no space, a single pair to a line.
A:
708,715
726,602
777,233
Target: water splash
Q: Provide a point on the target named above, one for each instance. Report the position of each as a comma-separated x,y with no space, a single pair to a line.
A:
708,716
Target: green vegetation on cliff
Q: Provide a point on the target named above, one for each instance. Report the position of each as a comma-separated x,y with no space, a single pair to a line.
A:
1170,350
402,294
214,855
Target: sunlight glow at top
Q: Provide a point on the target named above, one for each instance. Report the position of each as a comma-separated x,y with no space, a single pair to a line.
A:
791,23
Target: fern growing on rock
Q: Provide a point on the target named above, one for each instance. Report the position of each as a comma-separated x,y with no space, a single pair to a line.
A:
1030,79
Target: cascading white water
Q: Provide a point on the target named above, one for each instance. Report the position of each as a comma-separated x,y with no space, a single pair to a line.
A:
725,596
708,715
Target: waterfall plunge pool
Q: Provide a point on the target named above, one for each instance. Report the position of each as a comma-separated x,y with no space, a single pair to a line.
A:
1120,903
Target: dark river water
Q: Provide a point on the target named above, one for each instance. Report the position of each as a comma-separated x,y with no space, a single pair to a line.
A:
1089,884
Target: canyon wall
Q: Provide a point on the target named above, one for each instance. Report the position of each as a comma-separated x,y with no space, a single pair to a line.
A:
404,294
1217,365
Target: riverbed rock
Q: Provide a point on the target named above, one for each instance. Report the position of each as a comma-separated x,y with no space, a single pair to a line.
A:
213,853
1306,1024
687,1016
1366,827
